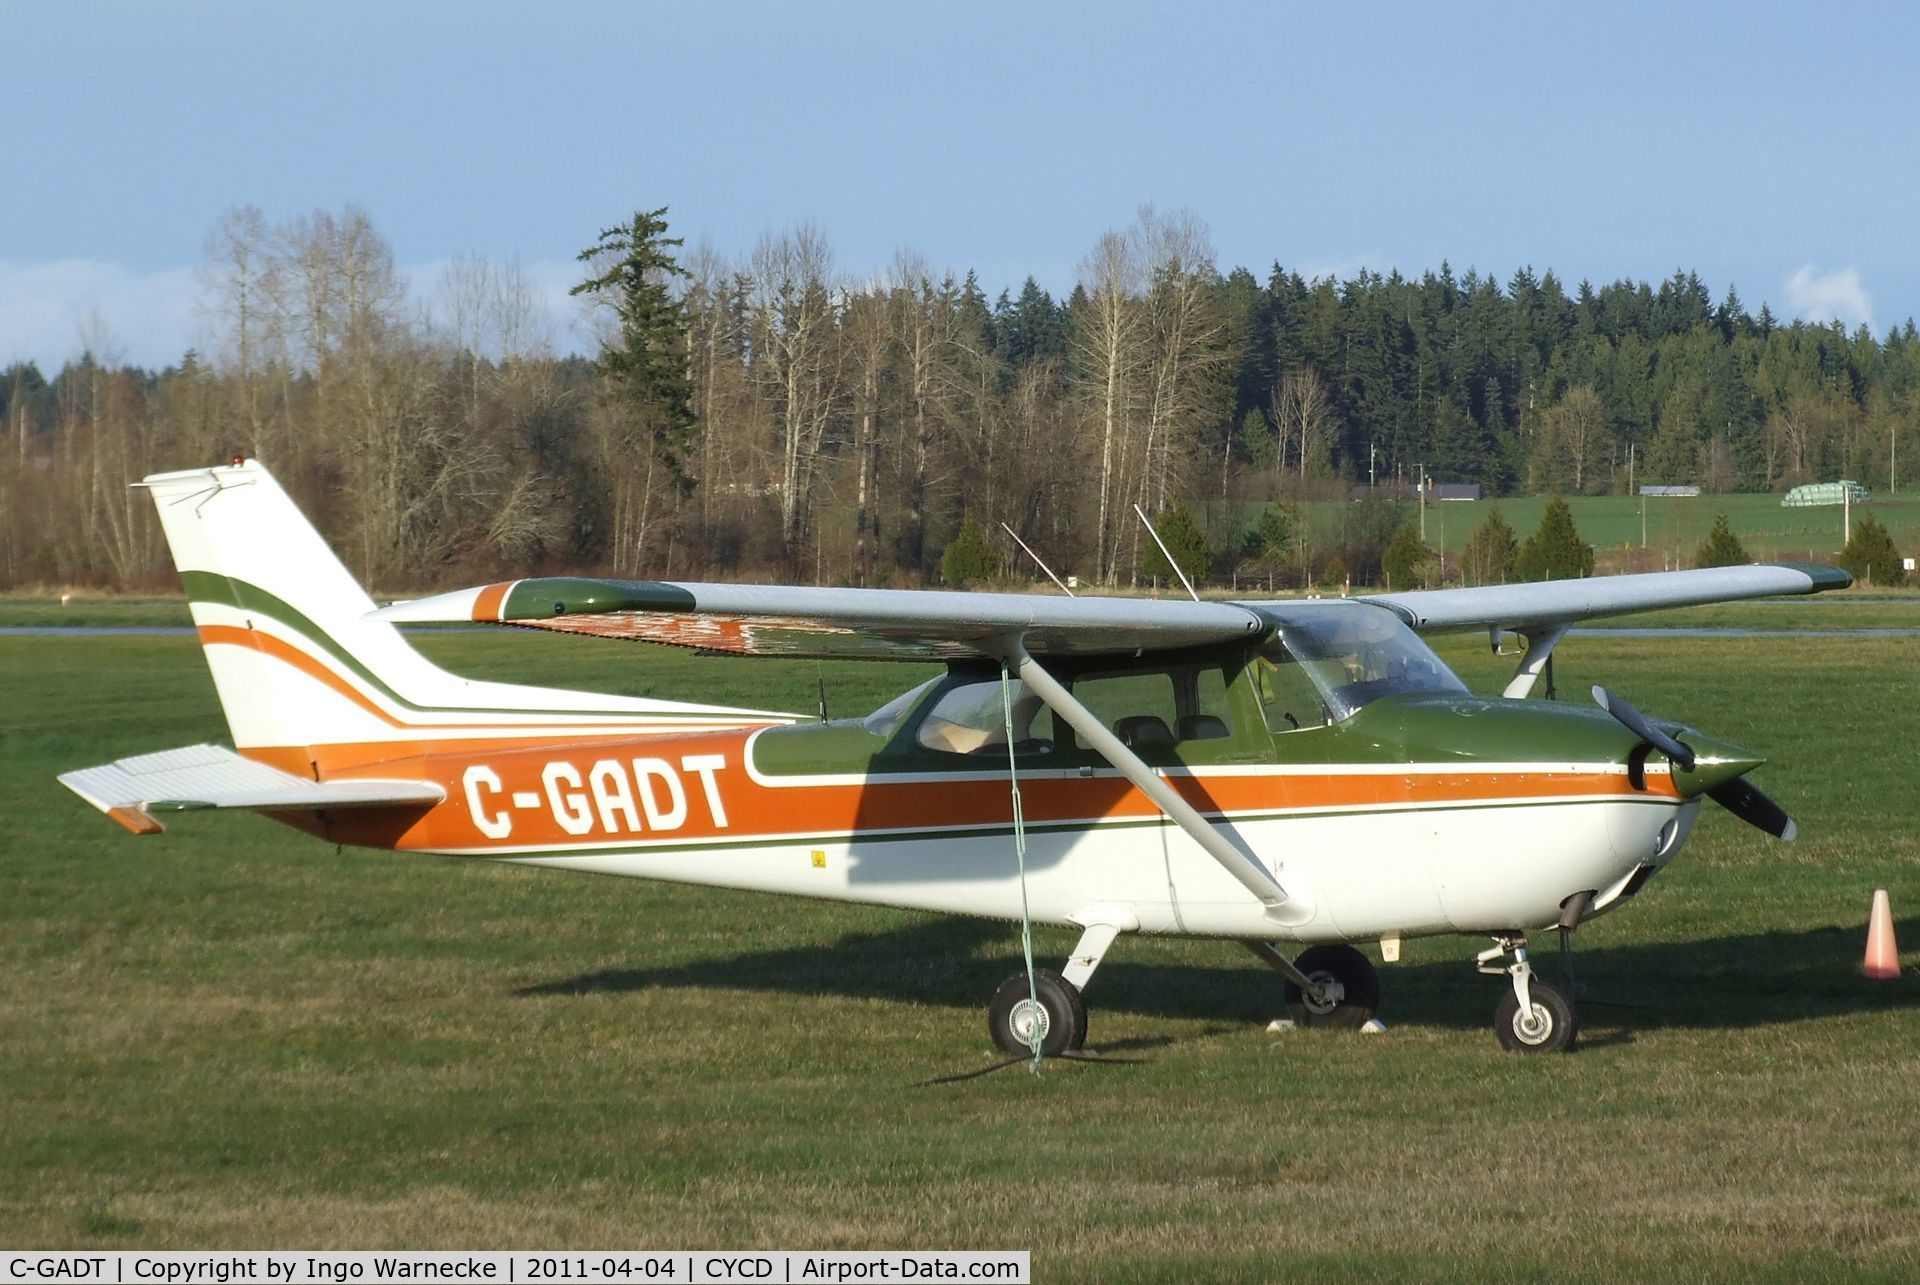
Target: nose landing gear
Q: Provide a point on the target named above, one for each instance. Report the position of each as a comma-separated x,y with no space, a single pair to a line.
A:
1532,1017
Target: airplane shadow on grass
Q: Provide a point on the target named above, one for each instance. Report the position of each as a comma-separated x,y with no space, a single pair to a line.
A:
1722,982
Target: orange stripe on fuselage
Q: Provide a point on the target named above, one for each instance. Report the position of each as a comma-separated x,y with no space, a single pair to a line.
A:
586,795
485,734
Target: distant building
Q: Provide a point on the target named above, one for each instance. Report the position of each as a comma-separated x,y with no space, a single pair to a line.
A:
1818,493
1670,492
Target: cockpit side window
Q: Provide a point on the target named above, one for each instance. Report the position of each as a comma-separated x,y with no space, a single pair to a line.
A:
970,718
1160,711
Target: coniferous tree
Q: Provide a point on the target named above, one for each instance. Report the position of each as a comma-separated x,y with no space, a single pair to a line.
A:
1408,562
1555,551
1256,436
647,365
970,559
1722,548
1184,539
1491,551
1266,546
1870,555
1275,529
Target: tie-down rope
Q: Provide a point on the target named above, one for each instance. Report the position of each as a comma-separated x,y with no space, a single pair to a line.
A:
1036,1038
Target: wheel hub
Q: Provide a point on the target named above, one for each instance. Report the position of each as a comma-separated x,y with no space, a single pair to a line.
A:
1029,1021
1326,995
1533,1024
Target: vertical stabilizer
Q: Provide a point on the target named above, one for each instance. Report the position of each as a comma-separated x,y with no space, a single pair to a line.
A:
300,666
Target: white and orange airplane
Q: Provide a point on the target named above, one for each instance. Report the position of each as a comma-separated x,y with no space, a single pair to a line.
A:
1264,771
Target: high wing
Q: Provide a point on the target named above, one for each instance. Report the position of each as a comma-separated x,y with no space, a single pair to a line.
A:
897,624
873,624
1548,603
211,776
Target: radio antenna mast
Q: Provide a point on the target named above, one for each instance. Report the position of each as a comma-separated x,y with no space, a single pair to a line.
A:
1036,558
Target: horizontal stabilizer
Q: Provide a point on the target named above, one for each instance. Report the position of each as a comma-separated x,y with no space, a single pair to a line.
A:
211,776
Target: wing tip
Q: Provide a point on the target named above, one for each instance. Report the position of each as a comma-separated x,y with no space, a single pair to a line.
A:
1823,576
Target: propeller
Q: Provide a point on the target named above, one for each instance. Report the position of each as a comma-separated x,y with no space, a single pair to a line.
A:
1636,722
1721,775
1756,809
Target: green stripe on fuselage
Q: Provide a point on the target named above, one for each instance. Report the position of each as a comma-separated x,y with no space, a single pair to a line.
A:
207,586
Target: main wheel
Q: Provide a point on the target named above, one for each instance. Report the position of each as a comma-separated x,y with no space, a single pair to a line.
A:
1551,1027
1358,981
1061,1015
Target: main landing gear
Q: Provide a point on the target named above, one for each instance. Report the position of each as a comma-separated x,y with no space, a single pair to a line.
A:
1333,986
1532,1017
1052,1003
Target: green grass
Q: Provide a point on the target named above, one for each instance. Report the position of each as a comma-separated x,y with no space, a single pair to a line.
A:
237,1036
1674,528
102,611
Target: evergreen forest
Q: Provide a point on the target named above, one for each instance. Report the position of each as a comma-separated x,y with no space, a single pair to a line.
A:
777,415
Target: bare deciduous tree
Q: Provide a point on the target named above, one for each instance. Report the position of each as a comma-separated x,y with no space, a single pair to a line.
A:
1303,412
1108,341
797,365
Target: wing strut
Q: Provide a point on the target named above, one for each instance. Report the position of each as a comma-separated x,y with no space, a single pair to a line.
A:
1282,906
1538,660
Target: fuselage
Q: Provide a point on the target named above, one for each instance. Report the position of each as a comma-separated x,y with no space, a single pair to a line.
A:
1420,813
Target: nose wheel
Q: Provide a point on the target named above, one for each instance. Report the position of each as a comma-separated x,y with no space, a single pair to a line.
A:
1532,1017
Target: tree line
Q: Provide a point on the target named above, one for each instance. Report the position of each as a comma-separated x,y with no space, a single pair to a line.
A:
773,414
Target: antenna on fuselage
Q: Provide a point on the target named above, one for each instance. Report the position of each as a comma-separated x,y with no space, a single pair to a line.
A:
1163,553
1036,558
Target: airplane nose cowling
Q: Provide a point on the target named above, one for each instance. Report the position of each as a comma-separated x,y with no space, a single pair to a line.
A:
1702,765
1715,763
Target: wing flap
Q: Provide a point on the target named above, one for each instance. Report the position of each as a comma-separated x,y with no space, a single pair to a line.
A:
130,790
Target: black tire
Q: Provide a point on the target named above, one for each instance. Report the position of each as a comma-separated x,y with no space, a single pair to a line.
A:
1554,1028
1066,1013
1357,977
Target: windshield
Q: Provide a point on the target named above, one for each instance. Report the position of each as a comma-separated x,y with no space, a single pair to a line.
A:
1354,656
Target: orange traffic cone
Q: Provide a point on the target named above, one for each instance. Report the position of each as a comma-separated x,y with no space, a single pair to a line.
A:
1883,957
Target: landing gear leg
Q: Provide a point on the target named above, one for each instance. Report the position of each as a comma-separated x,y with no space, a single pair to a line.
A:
1532,1017
1327,985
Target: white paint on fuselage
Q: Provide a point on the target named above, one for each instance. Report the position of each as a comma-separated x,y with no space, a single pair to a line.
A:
1405,872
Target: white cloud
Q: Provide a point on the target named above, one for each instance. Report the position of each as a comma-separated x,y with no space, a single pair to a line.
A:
51,312
1822,297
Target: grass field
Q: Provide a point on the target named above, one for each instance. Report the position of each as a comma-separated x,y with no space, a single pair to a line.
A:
238,1036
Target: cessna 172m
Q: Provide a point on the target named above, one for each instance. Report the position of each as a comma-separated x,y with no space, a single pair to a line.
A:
1267,772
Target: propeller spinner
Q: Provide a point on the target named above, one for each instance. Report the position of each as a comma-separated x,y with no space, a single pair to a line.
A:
1710,768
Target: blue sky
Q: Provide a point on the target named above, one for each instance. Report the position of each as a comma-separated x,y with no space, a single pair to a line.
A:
1767,146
